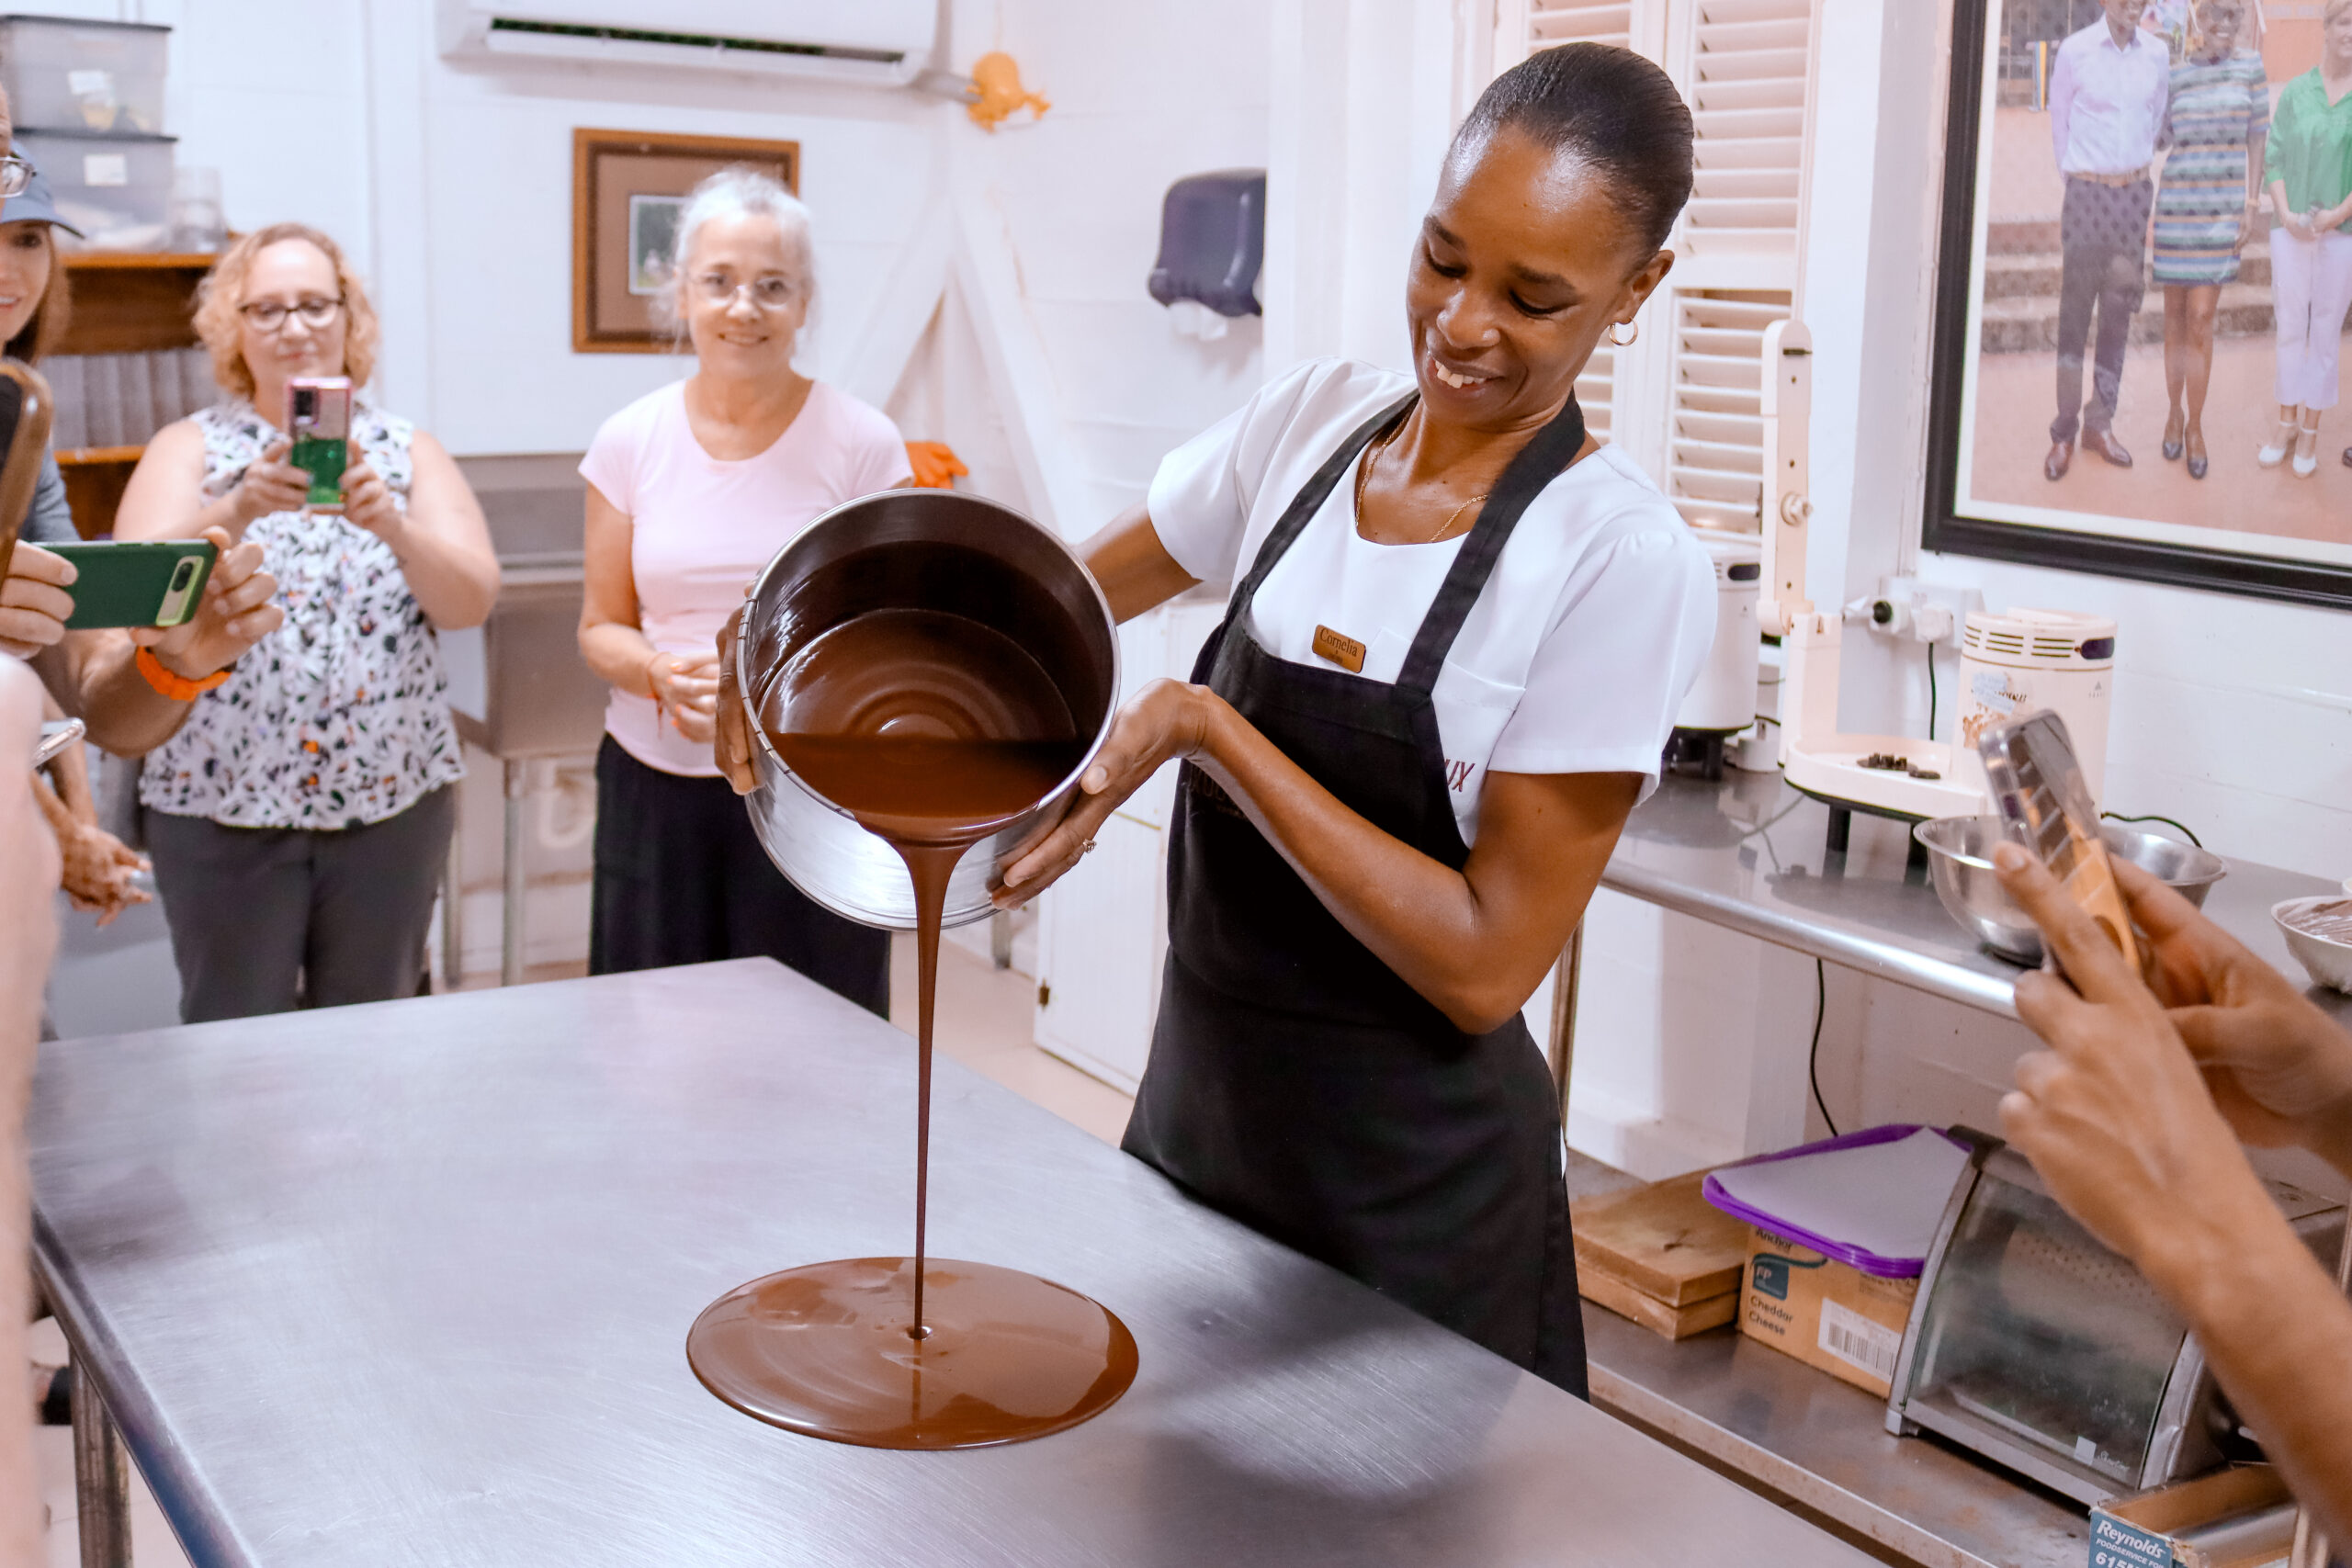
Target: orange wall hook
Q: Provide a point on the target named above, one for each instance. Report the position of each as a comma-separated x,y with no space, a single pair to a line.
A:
996,91
935,465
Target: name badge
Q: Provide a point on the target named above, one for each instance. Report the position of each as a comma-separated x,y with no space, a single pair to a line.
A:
1344,651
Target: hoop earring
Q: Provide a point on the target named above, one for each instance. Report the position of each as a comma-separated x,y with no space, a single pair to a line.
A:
1627,341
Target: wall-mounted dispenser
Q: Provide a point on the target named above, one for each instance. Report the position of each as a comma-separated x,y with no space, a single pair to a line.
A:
1211,242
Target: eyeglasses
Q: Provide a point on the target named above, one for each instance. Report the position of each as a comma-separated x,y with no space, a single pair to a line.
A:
772,292
14,176
270,315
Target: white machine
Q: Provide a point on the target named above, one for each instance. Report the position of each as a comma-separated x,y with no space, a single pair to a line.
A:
2013,662
1722,701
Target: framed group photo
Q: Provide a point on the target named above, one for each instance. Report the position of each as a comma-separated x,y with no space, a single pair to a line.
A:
2122,313
628,190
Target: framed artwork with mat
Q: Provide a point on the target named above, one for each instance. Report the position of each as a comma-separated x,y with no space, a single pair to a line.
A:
2117,325
629,189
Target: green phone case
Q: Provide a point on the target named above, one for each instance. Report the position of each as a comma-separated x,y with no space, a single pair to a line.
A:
148,583
323,458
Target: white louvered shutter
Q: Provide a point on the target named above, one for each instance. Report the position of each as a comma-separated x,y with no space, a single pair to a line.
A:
1746,67
1682,399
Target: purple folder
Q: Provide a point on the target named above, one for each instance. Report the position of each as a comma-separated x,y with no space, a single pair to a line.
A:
1867,1262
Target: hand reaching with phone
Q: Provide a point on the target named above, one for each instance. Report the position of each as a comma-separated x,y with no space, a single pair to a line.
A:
2280,1070
2116,1115
35,601
269,485
685,687
238,611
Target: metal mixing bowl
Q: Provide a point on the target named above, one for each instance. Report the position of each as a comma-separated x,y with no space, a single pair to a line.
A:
1960,859
884,552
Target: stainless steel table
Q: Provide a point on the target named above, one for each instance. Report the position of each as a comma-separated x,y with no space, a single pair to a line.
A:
1750,853
410,1283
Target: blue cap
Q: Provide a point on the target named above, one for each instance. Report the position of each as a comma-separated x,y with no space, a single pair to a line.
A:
33,204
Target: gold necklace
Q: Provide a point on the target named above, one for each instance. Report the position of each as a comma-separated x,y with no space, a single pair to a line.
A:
1363,476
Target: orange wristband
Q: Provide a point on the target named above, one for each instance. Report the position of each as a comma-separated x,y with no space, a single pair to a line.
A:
179,688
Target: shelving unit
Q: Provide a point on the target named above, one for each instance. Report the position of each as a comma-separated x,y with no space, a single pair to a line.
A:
124,302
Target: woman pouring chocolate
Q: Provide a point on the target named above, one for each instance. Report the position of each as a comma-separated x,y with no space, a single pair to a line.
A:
1459,631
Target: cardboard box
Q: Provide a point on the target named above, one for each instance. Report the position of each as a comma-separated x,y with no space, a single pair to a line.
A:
2232,1518
1826,1313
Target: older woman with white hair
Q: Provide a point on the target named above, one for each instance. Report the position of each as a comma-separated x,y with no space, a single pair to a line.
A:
691,490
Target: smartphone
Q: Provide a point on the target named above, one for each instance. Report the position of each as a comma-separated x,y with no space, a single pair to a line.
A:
24,439
2046,804
56,735
318,416
157,582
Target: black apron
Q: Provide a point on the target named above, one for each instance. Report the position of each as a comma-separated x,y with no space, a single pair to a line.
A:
1295,1082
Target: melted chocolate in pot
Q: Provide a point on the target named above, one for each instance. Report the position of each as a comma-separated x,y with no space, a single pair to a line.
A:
934,732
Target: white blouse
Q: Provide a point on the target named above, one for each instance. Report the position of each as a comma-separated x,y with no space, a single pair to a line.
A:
340,716
1579,651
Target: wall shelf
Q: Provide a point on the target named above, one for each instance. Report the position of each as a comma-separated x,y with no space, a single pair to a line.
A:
124,302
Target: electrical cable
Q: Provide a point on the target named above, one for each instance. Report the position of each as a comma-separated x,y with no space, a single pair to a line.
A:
1813,1055
2151,817
1931,690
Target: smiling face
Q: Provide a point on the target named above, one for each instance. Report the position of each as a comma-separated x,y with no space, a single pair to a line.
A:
1524,260
289,274
743,303
2219,21
2337,39
26,257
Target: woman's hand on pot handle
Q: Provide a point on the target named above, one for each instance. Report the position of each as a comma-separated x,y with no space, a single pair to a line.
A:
1167,721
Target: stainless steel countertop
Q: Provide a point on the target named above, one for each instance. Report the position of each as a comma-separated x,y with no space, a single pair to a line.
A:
1807,1436
1752,853
410,1283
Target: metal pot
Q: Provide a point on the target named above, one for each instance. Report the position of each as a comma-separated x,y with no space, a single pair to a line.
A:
928,549
1960,859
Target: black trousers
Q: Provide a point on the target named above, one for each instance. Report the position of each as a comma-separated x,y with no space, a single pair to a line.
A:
268,919
681,879
2103,232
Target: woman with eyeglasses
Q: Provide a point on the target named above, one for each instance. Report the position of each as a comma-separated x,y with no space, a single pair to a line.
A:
691,490
300,820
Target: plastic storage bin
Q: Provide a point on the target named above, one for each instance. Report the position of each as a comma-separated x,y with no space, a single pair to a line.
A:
116,189
106,77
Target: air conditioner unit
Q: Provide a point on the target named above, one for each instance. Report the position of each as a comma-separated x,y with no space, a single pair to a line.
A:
870,43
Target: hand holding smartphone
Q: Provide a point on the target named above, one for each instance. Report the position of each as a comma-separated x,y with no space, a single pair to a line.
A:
149,584
317,417
2039,786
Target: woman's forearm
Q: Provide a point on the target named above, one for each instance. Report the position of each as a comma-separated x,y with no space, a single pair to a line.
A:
455,582
618,654
124,714
1475,949
2278,1337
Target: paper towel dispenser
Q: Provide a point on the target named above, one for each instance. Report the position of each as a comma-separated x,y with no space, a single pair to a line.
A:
1213,241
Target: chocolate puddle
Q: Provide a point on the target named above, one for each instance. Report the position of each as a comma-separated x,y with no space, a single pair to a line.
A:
935,732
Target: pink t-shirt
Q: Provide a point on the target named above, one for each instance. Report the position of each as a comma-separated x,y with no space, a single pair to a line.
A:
702,528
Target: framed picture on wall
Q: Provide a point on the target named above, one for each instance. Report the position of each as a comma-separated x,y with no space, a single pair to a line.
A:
628,190
2120,311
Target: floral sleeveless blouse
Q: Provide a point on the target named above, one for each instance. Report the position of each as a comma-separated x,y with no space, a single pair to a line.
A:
339,718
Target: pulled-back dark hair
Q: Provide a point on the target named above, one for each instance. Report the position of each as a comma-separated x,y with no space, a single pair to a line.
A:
1611,108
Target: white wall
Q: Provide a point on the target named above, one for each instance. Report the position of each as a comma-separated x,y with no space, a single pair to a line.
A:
1141,96
452,188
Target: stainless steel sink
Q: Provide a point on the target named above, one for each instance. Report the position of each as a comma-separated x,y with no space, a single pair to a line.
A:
518,687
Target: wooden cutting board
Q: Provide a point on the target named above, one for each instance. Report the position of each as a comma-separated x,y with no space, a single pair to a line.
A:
1674,1321
1664,1240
